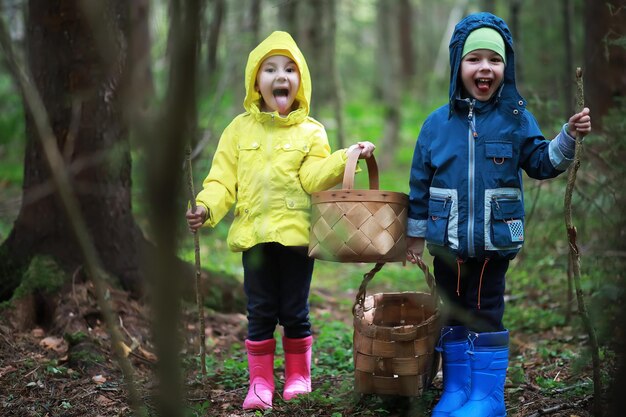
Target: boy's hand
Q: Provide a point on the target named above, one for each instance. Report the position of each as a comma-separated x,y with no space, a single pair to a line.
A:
414,249
367,149
195,220
580,122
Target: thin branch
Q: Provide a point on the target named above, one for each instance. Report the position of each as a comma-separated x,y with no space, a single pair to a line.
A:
574,255
196,243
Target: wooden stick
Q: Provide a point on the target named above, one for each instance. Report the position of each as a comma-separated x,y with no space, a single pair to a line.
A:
196,243
574,256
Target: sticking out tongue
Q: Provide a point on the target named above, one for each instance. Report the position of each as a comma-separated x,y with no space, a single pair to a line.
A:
282,100
483,86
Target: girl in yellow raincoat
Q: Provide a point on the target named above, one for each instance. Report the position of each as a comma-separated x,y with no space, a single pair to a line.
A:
268,162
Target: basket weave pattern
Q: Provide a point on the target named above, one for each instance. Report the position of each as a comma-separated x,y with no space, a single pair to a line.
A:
394,340
349,225
359,230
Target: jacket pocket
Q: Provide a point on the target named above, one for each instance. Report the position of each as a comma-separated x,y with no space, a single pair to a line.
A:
438,217
507,221
499,155
249,155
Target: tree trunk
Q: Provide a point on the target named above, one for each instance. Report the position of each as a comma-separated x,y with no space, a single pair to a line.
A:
515,10
407,50
288,17
81,97
568,64
255,20
218,12
389,71
337,90
604,26
313,41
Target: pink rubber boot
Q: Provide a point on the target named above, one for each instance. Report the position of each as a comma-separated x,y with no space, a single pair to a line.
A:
297,366
261,366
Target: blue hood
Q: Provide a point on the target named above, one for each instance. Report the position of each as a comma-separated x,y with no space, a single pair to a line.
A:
508,94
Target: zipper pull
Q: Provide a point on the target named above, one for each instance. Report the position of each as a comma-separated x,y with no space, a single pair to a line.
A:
495,200
470,118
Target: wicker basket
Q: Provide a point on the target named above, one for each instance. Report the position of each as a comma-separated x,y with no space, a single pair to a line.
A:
394,340
349,225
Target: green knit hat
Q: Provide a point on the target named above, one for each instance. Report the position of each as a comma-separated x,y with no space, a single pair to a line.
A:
485,38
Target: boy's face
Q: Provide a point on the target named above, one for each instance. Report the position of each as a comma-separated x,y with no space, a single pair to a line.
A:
278,81
482,72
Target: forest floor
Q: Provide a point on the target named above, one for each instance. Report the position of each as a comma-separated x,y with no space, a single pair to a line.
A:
40,377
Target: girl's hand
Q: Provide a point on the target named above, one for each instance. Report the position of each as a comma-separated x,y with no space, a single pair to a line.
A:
195,220
580,122
414,249
367,149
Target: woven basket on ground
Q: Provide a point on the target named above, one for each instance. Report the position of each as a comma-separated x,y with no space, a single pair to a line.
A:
349,225
394,340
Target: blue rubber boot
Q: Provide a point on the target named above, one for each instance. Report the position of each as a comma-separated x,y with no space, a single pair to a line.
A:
489,358
453,346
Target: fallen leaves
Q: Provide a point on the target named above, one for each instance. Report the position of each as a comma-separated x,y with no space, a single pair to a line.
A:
56,344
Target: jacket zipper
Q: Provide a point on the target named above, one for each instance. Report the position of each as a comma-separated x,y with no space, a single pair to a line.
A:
471,178
510,197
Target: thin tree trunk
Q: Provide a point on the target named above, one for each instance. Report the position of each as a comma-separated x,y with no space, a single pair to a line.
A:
288,17
515,10
407,49
165,192
213,37
568,64
389,70
255,20
443,55
337,90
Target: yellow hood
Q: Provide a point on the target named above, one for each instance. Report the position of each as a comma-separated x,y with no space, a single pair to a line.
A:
278,43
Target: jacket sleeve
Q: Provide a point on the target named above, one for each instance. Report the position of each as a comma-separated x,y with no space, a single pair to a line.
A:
219,188
320,169
541,158
419,185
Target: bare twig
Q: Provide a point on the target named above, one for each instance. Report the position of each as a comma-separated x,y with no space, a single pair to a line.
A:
558,407
574,255
196,242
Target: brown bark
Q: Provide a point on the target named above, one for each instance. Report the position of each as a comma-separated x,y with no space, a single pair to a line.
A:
388,68
80,94
218,13
604,23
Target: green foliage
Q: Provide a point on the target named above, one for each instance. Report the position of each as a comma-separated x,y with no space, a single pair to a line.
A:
75,338
87,357
11,152
43,274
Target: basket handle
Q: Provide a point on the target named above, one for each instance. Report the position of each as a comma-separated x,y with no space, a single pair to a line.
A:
367,277
349,171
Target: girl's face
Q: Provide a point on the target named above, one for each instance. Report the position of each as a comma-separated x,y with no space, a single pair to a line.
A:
278,80
482,72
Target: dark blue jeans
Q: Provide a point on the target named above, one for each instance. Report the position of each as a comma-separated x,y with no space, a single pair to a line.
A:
463,308
277,280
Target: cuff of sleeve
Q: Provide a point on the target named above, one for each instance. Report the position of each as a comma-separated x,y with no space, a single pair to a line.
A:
208,220
416,228
557,158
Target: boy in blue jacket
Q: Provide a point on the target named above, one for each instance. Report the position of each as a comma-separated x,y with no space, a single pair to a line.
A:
466,202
